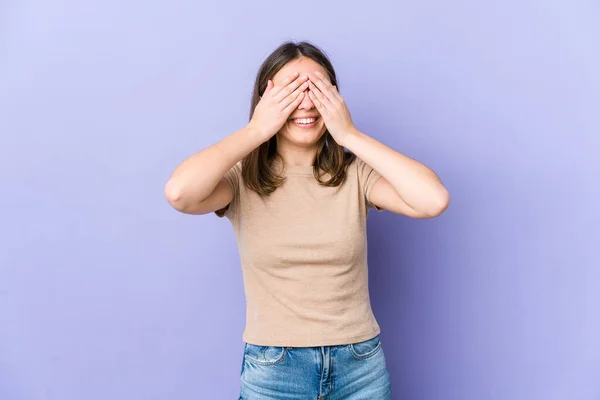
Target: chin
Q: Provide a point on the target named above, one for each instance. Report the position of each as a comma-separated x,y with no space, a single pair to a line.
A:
303,136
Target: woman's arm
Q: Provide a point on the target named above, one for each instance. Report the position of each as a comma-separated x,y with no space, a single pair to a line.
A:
198,186
407,186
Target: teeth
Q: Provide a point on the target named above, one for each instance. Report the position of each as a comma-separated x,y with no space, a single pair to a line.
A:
305,120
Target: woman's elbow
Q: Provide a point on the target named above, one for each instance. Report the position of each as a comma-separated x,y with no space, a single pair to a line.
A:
441,203
174,195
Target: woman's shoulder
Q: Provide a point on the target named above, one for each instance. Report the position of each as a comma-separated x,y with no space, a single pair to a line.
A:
357,162
234,175
236,169
356,166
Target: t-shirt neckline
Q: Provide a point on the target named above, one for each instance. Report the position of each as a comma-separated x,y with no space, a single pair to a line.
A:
295,169
299,169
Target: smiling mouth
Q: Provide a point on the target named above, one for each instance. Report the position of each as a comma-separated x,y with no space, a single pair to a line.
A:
304,122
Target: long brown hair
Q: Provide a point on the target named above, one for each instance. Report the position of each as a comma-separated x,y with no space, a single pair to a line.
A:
257,167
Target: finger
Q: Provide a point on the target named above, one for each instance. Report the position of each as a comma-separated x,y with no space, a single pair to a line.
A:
336,93
320,108
324,86
327,101
292,96
320,96
269,87
294,104
290,78
289,89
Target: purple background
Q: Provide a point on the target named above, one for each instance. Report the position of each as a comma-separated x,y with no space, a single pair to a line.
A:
108,293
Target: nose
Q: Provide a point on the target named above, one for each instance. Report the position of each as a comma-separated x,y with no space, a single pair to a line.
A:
306,103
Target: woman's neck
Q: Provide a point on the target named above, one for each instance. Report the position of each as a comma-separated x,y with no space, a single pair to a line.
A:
301,156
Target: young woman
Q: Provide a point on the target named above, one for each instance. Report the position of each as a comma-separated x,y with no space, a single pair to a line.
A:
298,203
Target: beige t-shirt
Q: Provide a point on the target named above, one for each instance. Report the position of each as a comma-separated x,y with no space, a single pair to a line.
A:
303,252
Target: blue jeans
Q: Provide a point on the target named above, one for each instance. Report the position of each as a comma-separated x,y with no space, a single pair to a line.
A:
354,371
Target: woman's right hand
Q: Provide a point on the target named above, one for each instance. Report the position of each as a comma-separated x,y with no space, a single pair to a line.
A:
276,105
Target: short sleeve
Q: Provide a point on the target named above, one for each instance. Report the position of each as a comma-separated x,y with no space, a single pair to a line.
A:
367,177
233,177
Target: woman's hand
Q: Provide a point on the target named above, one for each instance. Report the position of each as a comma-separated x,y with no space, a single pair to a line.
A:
277,103
331,106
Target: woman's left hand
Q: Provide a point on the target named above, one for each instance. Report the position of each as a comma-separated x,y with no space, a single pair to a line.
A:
331,106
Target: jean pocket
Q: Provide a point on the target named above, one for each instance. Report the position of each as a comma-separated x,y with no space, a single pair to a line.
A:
264,355
366,349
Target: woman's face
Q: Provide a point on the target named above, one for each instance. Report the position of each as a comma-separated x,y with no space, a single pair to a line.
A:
292,131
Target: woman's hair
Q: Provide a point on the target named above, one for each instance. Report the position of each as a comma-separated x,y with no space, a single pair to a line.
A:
257,167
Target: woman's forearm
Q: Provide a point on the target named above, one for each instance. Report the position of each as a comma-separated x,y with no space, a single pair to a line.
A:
414,182
197,176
